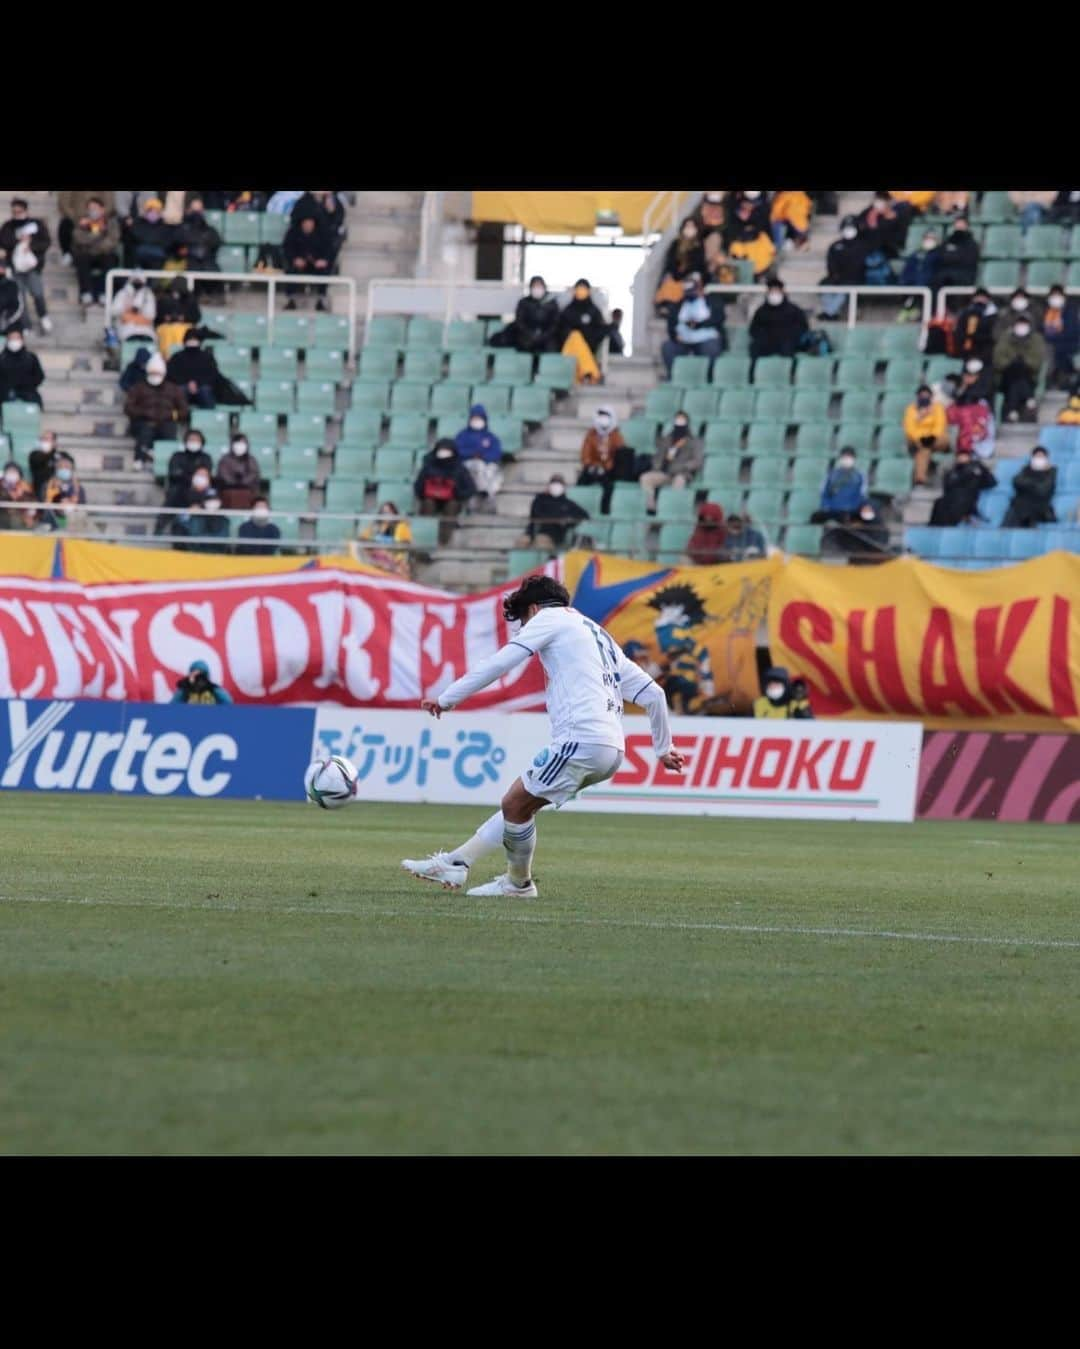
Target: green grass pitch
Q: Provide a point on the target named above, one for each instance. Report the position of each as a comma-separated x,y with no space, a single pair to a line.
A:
190,977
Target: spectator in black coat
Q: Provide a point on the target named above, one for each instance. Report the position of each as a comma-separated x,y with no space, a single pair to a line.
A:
778,325
883,225
183,464
11,300
1033,493
326,210
745,208
844,264
863,538
974,333
959,500
1065,209
958,259
582,315
25,240
259,534
42,463
194,370
551,516
21,374
151,239
535,320
308,252
685,258
196,241
443,485
177,305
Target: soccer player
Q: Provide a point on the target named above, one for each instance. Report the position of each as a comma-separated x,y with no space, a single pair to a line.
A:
588,679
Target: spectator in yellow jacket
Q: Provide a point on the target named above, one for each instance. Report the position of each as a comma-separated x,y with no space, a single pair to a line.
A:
1070,413
385,542
753,243
790,218
927,431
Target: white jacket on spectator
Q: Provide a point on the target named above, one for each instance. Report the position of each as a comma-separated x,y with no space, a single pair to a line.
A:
130,301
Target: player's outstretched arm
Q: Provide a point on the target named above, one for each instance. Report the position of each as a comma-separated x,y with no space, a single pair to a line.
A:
641,689
501,663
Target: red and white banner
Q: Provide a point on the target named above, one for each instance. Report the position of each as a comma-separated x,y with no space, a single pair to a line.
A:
303,637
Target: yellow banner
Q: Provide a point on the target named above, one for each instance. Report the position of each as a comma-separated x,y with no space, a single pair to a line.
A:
90,563
695,626
23,554
561,212
963,650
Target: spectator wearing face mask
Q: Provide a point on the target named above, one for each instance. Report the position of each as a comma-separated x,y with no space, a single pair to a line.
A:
21,374
677,462
706,545
135,370
958,259
756,245
552,516
62,489
25,241
134,309
443,486
308,252
11,301
883,225
13,487
194,370
603,455
183,464
151,238
696,327
843,492
927,431
1019,356
975,382
744,208
973,334
778,326
238,475
72,207
259,534
536,319
1020,305
196,242
959,500
1061,333
742,542
864,538
844,265
197,687
709,218
685,257
481,452
95,247
178,307
920,268
1033,492
581,329
328,213
42,462
386,541
155,407
780,699
789,216
975,428
204,520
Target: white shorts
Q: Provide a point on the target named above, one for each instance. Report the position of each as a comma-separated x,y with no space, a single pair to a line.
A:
559,772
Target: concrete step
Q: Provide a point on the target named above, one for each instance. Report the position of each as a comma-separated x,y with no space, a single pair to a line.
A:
374,202
401,233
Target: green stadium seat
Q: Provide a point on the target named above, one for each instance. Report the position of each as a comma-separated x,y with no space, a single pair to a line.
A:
689,372
769,471
451,400
298,461
766,438
700,404
1044,241
241,227
904,372
772,372
627,501
662,402
293,330
773,405
352,462
809,474
530,403
361,426
894,405
212,422
813,372
766,505
1002,241
266,457
556,372
738,336
723,438
627,537
640,434
231,258
410,397
859,405
675,503
862,340
859,434
423,366
409,428
899,340
810,405
892,443
289,494
259,427
393,463
593,533
511,367
275,395
447,426
424,332
463,335
994,208
892,477
803,539
509,430
233,361
731,498
273,227
736,405
587,497
216,220
855,372
814,438
425,531
397,490
1045,273
312,396
378,363
305,428
277,363
468,367
326,363
731,372
719,472
248,330
674,539
1072,277
493,398
521,561
1000,275
1074,243
937,367
337,532
802,502
386,330
331,332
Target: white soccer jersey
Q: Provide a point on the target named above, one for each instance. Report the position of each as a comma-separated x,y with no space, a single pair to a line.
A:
588,679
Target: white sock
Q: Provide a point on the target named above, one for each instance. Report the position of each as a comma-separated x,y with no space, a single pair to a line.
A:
519,840
487,837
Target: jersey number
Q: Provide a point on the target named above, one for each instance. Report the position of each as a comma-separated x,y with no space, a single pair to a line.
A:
600,637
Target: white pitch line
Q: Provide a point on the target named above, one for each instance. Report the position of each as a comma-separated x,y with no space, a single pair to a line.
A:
677,925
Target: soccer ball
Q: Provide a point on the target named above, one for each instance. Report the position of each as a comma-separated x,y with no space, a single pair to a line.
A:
331,782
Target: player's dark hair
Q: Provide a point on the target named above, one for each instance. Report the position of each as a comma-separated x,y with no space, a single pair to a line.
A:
542,590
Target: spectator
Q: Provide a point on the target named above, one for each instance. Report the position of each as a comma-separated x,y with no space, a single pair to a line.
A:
73,208
205,520
678,461
443,485
975,382
134,309
25,240
62,489
950,203
616,345
864,538
710,216
927,431
919,202
1033,493
177,312
282,203
183,464
194,370
13,487
1065,209
1061,333
580,330
844,266
883,225
605,456
535,322
388,538
307,252
745,208
1019,356
43,462
743,543
706,546
781,698
197,687
238,475
1032,206
329,215
959,500
790,219
685,258
974,331
197,242
754,244
843,491
21,374
1070,413
920,267
135,370
94,245
551,516
481,452
259,534
155,407
1021,305
974,420
11,300
245,201
151,238
696,328
778,326
959,256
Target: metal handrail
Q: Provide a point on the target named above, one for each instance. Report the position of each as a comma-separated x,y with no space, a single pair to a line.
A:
269,279
946,291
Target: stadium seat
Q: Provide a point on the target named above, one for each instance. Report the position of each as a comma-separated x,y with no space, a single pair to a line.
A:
904,372
803,539
662,402
351,462
234,362
766,438
700,404
675,503
627,537
899,341
627,501
689,372
719,472
674,538
248,330
386,330
1060,440
957,541
1002,241
231,258
331,332
810,405
1025,543
1055,538
892,477
424,332
288,494
772,372
738,338
773,405
556,372
809,473
509,430
765,505
991,543
425,531
813,372
275,395
277,363
859,406
378,363
298,461
468,367
994,208
587,497
311,396
521,561
1044,241
723,438
361,426
409,397
305,428
423,366
266,457
530,403
730,372
736,405
922,540
393,463
858,434
803,502
324,364
769,471
640,434
1045,273
855,373
336,532
1000,275
892,443
212,422
293,330
463,335
493,398
862,340
511,367
409,428
893,407
451,400
1007,469
241,227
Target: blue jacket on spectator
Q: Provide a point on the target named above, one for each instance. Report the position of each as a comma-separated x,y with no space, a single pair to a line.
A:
482,444
920,267
843,490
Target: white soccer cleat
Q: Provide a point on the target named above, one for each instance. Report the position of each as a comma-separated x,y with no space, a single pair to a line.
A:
504,886
440,868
